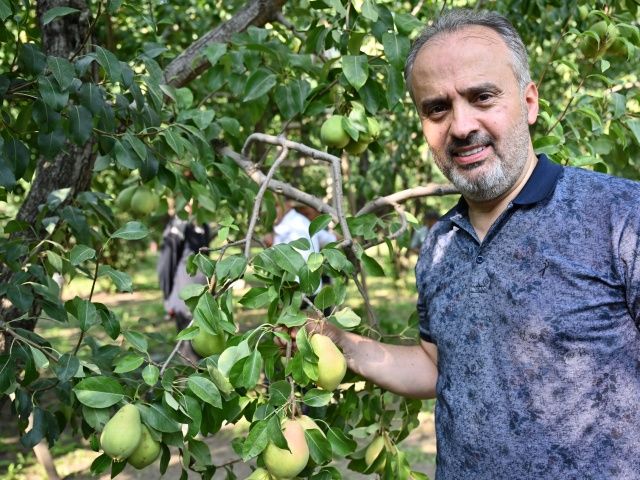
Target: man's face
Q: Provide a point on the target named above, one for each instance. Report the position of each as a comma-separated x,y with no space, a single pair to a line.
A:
474,116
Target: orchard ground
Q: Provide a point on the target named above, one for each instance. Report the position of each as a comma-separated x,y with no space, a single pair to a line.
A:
393,298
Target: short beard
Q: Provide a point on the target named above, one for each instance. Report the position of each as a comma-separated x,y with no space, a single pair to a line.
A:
505,171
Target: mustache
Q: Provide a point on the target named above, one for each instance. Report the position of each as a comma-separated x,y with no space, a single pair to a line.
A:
474,138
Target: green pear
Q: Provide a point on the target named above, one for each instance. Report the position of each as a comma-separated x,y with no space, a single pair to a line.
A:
146,452
373,452
282,463
332,133
332,365
122,433
259,474
205,344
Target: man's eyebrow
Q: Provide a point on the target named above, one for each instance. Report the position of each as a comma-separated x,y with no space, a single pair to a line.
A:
467,92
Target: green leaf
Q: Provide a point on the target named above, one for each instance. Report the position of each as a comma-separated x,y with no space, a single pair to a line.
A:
259,83
174,141
191,290
121,280
100,464
150,374
91,98
341,444
396,48
319,223
251,370
369,10
80,124
205,390
57,12
84,311
325,298
137,340
231,267
137,145
319,446
317,398
98,392
356,70
5,10
314,262
66,367
347,318
258,297
279,393
20,296
256,441
81,253
110,63
371,266
51,94
218,378
158,418
62,70
39,358
232,355
287,258
131,231
634,126
17,156
214,52
51,143
128,363
31,59
290,98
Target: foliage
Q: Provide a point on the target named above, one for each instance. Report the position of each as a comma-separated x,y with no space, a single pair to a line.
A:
186,140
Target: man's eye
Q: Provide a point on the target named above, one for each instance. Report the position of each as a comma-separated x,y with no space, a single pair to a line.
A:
484,97
436,110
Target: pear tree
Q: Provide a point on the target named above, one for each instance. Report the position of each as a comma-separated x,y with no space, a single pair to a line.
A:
115,112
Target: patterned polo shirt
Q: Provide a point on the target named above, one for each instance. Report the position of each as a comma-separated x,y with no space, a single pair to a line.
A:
537,329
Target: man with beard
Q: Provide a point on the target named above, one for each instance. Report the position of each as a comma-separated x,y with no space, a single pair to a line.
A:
528,290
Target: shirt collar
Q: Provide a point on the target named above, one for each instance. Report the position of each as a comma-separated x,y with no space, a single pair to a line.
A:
539,186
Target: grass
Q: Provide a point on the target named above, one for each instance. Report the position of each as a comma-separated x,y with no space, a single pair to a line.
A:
393,300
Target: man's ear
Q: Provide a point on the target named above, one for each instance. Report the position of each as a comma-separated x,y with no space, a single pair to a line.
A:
531,102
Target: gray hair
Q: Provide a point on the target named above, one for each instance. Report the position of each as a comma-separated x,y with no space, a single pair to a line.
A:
457,19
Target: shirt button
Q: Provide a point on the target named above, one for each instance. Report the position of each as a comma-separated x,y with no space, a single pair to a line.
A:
479,259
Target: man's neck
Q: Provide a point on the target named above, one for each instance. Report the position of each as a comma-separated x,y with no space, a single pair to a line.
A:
483,214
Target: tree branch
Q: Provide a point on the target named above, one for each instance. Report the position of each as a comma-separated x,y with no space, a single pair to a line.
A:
431,189
191,62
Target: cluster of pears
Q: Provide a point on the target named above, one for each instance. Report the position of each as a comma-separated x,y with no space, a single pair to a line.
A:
125,437
281,463
334,134
139,200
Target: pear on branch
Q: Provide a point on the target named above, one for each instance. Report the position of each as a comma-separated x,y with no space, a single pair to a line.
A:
332,366
122,433
282,463
146,452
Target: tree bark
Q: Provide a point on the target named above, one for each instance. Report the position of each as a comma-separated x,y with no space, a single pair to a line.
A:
191,63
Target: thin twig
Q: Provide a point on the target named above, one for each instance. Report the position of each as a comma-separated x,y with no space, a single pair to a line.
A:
89,33
373,321
258,201
555,49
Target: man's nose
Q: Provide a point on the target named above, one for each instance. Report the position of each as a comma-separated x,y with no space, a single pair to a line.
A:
464,121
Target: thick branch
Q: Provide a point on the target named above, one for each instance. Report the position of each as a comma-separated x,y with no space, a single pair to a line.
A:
191,63
429,190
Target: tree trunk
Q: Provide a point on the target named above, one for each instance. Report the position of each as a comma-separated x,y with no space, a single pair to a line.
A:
63,37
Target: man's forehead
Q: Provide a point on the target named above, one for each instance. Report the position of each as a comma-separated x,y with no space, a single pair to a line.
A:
476,34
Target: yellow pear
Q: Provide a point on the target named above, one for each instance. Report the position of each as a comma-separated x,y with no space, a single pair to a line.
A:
332,365
373,452
282,463
122,434
146,452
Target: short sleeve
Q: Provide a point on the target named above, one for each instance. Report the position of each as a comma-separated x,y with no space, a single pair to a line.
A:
423,313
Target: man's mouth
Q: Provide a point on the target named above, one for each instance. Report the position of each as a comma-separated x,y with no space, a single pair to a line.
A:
467,156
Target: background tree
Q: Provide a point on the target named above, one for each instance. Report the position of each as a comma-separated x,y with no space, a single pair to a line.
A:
221,104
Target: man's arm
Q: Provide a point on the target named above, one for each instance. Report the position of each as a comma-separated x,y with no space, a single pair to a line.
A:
410,371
